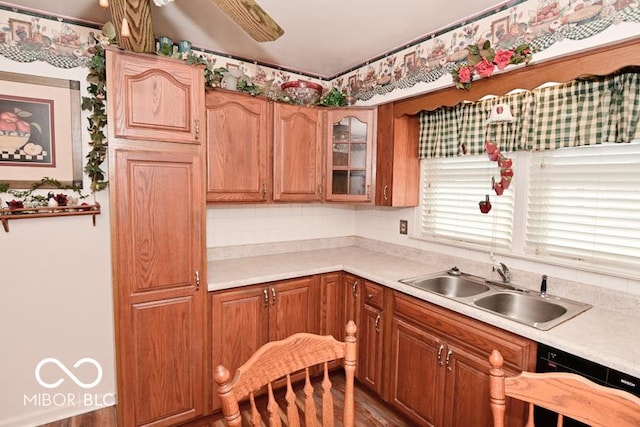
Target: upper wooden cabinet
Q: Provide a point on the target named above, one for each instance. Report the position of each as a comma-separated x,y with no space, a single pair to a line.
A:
350,140
155,99
157,198
397,164
298,153
239,145
260,151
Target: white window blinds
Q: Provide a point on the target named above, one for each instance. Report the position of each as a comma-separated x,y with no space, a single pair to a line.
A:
451,190
584,204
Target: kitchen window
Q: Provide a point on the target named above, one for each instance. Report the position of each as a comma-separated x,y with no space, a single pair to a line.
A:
572,206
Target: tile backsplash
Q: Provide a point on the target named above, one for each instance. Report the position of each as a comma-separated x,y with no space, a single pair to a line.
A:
257,224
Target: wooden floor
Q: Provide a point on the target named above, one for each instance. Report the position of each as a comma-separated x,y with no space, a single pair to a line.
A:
370,411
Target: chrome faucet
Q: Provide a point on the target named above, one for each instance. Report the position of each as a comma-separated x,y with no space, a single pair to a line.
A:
504,272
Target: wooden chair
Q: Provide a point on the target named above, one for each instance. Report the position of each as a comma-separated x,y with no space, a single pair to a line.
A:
280,359
569,395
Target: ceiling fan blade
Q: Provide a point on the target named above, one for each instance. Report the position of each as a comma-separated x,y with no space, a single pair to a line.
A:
252,19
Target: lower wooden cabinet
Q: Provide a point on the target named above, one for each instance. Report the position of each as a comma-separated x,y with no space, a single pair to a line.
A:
371,327
243,319
415,387
429,363
439,367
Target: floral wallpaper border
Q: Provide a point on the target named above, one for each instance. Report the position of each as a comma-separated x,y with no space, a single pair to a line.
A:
27,37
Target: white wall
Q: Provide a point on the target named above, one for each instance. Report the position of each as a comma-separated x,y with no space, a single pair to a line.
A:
55,302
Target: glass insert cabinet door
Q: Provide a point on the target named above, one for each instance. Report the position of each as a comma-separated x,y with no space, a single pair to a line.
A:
350,150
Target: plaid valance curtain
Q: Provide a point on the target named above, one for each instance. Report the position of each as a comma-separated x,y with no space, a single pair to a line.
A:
581,112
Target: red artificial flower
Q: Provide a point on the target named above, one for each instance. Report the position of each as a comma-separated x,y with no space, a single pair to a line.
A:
484,68
464,75
502,58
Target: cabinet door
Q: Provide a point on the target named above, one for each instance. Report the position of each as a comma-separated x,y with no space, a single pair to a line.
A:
397,164
332,320
294,307
370,347
416,373
157,205
240,325
156,98
238,147
466,395
349,154
353,286
297,157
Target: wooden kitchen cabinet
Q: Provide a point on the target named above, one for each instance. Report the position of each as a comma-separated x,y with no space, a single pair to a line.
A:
350,146
244,319
298,161
370,336
332,321
155,102
352,288
439,368
239,147
397,164
157,198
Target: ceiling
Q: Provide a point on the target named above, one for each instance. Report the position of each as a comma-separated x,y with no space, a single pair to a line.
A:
322,42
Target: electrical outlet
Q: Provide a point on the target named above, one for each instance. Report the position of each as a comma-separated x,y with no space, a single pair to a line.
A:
403,226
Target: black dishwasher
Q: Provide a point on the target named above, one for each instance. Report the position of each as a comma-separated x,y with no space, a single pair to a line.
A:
553,360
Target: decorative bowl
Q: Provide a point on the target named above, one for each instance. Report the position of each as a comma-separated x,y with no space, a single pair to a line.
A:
11,142
302,92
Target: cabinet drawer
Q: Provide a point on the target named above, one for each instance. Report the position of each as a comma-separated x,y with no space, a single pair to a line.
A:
373,294
479,337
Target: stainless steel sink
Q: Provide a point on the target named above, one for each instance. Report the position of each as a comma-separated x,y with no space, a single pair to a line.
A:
449,286
531,309
505,300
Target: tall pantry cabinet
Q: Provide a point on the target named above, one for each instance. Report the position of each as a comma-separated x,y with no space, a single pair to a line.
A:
157,201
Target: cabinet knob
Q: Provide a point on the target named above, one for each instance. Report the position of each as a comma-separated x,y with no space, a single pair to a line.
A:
385,192
264,190
197,274
266,297
197,125
273,296
377,325
354,288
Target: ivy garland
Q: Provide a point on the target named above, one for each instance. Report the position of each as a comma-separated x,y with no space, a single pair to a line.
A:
96,104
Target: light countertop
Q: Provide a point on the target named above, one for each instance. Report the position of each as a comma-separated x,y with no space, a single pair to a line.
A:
602,335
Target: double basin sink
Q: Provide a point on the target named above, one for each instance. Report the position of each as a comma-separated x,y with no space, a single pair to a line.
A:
521,305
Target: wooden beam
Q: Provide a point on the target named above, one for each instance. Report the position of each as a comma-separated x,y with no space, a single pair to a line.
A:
252,19
138,14
599,61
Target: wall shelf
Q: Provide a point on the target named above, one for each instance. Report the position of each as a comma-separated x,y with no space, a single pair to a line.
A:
7,214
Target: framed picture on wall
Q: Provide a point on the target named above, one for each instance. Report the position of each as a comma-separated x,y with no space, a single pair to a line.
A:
40,133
